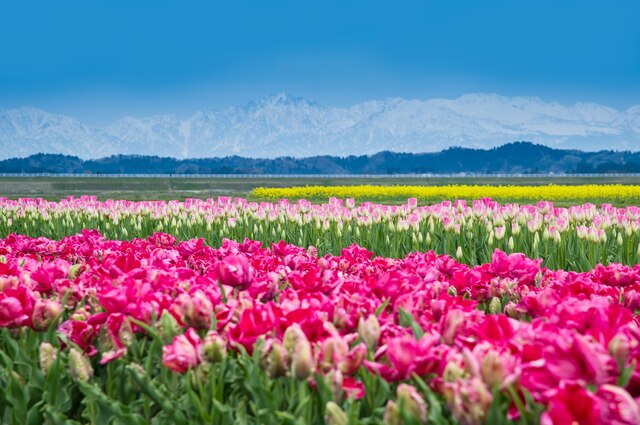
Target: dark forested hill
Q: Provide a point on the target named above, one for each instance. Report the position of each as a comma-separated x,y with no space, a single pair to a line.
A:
517,157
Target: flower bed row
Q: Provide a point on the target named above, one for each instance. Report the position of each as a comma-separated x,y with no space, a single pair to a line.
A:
509,192
574,238
156,331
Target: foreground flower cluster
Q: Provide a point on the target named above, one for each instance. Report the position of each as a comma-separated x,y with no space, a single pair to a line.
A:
574,238
384,339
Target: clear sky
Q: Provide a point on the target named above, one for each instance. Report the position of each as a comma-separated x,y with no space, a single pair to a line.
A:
99,60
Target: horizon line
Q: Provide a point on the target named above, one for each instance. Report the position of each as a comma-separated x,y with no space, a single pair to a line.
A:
386,151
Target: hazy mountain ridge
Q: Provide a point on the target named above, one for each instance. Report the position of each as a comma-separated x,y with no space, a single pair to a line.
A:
518,157
282,125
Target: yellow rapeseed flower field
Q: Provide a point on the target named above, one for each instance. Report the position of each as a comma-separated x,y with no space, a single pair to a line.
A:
548,192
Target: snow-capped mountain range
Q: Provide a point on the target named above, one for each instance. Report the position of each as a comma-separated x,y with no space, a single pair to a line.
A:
282,125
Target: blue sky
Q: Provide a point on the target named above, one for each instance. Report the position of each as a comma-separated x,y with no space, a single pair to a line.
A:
99,60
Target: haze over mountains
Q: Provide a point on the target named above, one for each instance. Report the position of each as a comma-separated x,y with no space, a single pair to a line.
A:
283,125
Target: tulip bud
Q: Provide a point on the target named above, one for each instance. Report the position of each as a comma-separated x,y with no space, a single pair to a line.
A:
452,372
619,349
627,230
301,359
44,313
412,403
79,366
353,360
291,336
167,327
80,315
277,360
75,270
469,400
214,347
197,311
48,356
510,244
392,415
459,253
125,333
538,279
201,374
369,331
335,380
492,368
495,306
138,367
511,310
334,415
334,349
452,322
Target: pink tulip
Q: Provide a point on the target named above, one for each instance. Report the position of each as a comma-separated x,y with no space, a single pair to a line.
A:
80,333
617,406
115,336
515,266
195,310
16,307
253,323
572,404
565,356
184,353
235,271
352,361
405,356
162,240
616,275
353,388
469,400
44,313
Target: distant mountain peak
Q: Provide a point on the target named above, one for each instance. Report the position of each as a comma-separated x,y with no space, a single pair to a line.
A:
287,125
283,98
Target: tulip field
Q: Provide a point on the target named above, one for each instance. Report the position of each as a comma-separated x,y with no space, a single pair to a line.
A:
233,311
